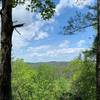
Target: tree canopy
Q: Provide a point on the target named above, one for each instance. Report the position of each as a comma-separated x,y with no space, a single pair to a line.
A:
45,7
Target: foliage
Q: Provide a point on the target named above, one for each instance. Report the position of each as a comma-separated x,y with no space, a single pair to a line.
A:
85,85
21,80
53,83
82,77
45,7
80,22
40,83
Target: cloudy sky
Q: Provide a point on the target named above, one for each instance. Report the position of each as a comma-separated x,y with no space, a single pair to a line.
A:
42,41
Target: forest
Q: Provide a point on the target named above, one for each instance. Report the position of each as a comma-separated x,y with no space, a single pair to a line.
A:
73,81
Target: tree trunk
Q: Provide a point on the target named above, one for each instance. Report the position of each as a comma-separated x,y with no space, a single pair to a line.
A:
6,45
98,54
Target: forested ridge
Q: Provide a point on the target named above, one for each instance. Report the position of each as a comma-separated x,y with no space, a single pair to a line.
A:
46,82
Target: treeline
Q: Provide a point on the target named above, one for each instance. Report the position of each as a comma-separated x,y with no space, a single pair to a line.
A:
76,80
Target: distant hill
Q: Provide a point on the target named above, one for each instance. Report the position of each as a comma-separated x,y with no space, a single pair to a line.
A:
52,63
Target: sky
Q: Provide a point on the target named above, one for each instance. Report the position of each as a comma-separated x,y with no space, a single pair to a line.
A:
43,41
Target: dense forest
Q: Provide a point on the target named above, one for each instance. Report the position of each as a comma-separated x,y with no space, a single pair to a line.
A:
45,82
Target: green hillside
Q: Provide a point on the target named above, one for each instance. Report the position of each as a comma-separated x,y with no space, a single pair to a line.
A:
52,63
50,82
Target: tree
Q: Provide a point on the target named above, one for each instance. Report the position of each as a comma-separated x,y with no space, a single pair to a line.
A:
98,53
81,22
45,7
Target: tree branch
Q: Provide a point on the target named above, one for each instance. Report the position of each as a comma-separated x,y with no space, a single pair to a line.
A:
18,25
17,31
0,11
71,32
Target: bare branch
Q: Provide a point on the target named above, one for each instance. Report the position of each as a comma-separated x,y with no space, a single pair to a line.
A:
18,25
17,31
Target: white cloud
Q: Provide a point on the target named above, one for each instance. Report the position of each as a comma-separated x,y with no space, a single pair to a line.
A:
71,3
64,44
64,51
18,41
28,33
41,35
81,3
49,52
81,43
38,51
61,5
38,48
21,15
32,30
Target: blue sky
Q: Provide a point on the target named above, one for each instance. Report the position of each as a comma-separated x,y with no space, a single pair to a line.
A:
43,41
